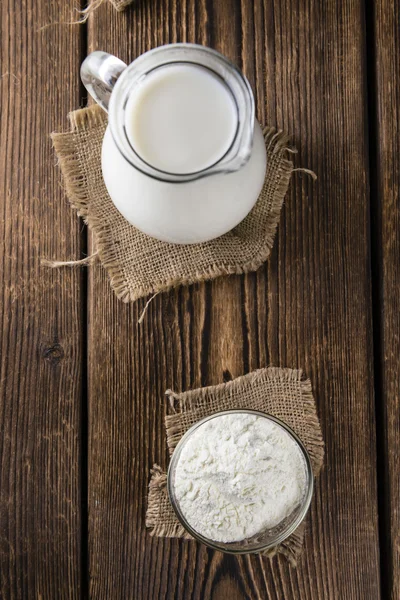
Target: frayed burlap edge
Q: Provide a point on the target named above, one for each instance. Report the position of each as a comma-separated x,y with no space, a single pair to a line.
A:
158,483
77,192
121,5
68,159
93,5
162,525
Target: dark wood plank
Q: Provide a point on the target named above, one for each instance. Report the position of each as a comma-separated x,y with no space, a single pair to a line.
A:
320,290
40,314
386,231
310,307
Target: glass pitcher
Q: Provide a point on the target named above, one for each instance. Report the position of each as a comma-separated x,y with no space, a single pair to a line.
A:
181,206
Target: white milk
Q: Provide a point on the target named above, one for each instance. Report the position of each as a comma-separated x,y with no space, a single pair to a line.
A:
181,118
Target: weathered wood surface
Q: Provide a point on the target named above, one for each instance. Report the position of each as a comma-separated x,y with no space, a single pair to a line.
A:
81,383
41,326
385,152
309,307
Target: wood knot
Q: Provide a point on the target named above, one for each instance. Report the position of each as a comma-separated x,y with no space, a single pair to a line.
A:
53,354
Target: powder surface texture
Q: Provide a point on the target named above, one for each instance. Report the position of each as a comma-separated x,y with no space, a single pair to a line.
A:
237,475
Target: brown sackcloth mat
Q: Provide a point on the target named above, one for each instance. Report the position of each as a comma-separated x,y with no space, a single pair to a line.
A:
139,265
283,393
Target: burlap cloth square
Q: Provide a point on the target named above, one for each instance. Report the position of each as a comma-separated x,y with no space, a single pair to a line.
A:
139,265
283,393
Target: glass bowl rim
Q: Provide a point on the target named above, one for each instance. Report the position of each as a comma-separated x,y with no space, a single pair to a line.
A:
223,546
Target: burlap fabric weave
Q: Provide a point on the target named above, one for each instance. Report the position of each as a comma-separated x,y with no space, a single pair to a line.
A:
283,393
139,265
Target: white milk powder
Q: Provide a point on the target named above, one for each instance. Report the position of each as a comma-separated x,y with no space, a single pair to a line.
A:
181,118
237,475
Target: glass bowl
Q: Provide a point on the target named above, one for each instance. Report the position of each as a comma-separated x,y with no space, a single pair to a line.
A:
267,538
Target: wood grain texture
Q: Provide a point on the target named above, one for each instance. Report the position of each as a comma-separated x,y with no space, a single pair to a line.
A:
310,307
40,310
386,230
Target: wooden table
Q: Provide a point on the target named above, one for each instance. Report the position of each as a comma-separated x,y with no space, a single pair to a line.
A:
81,383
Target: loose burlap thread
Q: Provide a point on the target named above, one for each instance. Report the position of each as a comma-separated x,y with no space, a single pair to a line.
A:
139,265
281,392
119,5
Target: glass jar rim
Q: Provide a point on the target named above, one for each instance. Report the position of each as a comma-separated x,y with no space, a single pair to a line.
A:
230,548
240,150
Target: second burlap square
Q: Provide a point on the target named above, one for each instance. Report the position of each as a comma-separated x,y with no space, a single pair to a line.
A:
283,393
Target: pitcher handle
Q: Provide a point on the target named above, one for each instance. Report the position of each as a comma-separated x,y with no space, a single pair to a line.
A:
99,74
